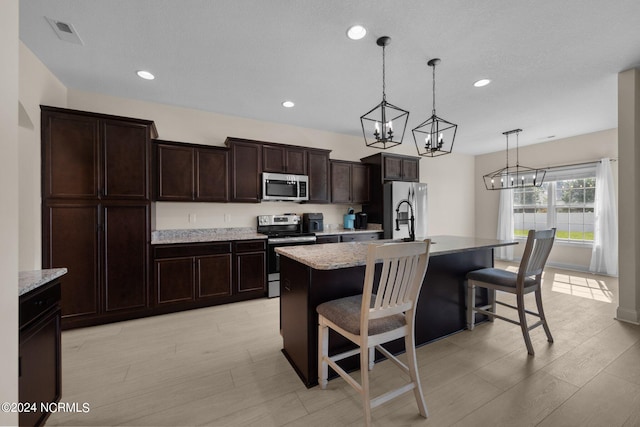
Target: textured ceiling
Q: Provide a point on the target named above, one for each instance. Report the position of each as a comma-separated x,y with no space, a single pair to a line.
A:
553,64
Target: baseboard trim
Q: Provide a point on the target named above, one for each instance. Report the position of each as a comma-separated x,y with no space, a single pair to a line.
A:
628,316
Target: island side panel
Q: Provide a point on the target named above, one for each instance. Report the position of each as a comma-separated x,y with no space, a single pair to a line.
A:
442,301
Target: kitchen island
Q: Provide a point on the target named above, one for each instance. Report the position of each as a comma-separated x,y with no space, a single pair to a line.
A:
313,274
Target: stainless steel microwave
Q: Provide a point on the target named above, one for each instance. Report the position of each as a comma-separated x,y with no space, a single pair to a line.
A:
280,186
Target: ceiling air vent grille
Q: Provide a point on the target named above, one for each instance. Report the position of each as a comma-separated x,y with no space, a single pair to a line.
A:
65,31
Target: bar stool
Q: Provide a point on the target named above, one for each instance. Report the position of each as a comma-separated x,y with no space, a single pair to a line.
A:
371,319
528,279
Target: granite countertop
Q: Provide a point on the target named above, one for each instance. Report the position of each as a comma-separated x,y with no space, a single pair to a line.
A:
331,256
30,280
165,237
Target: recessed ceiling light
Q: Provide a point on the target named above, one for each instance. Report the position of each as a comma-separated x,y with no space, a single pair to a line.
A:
288,104
145,75
356,32
482,82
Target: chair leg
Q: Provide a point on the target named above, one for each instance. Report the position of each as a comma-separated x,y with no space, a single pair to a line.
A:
364,372
323,351
372,357
523,324
471,303
491,294
410,347
543,318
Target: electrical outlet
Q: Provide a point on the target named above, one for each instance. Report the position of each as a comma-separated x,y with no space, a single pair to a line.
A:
192,217
227,218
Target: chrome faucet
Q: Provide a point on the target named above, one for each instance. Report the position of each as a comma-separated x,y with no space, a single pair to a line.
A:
412,231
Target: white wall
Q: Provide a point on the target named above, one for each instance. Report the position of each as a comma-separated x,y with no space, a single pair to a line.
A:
38,86
582,148
9,208
629,241
450,185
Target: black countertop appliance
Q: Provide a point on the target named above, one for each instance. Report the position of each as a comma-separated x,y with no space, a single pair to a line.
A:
312,222
361,221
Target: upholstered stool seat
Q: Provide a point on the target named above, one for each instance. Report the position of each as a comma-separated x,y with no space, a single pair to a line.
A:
345,312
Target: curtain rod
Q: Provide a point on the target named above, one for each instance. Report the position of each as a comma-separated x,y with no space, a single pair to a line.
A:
577,164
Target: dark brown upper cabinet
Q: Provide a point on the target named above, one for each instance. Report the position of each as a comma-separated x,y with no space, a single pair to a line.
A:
246,167
186,172
89,155
393,167
282,159
319,176
349,182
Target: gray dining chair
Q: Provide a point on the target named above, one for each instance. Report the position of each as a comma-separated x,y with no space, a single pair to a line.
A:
528,279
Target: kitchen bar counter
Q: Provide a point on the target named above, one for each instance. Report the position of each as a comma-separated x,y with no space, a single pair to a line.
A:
331,256
311,275
168,237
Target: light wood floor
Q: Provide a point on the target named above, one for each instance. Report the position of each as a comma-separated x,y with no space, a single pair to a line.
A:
222,366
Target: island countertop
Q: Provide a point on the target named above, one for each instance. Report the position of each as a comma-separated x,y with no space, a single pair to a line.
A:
332,256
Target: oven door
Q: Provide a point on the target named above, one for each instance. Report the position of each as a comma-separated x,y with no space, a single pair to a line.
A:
273,259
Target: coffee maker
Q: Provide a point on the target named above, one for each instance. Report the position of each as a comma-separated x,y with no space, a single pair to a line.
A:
312,222
361,221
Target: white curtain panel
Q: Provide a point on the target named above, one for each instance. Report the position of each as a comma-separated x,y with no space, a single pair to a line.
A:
604,256
505,224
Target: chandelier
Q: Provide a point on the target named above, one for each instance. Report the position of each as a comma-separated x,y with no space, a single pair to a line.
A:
434,137
378,123
514,176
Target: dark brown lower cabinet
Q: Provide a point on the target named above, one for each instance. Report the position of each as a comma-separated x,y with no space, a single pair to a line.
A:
251,265
39,352
200,274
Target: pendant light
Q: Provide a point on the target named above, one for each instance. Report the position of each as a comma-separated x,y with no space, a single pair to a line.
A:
435,136
384,125
514,176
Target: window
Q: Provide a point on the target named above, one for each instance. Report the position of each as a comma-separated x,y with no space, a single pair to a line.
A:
567,204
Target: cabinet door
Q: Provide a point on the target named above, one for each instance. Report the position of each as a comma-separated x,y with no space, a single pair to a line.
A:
318,169
125,257
273,159
359,183
174,280
212,183
39,357
340,182
246,167
70,239
296,161
251,270
410,170
392,168
69,155
125,160
175,172
213,276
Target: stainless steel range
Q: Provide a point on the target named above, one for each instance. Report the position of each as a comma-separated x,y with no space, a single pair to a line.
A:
282,230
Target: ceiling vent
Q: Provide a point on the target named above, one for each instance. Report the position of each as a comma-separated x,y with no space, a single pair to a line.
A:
65,31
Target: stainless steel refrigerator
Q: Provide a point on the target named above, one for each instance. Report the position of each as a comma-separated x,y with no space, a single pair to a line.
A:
405,203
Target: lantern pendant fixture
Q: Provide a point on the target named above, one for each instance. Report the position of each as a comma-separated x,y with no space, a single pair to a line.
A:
384,125
514,176
435,136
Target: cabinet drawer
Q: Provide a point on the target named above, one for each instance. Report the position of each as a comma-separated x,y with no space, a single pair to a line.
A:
360,237
327,239
195,249
34,305
250,245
